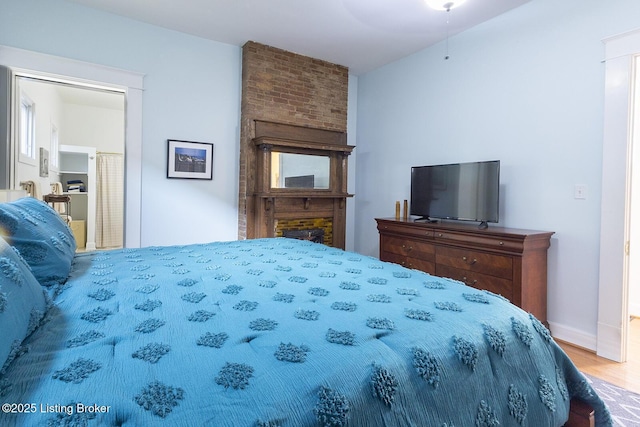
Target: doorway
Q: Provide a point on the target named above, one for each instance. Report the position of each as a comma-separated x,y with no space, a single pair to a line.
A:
69,119
94,75
619,249
633,282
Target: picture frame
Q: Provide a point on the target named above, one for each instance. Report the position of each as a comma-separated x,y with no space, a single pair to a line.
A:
44,162
189,159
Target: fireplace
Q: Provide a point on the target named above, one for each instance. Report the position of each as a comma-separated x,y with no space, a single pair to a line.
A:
319,230
291,102
315,235
300,182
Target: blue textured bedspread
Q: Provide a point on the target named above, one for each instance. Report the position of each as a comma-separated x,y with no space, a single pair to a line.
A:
279,332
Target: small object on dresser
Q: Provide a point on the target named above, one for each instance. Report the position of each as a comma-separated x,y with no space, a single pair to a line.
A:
405,213
398,209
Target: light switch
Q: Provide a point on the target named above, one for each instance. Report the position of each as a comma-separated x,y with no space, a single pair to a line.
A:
580,192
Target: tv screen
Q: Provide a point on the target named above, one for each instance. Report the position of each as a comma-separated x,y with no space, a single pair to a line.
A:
460,191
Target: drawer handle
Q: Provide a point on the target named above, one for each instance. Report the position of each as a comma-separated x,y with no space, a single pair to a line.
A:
466,260
409,248
501,243
465,280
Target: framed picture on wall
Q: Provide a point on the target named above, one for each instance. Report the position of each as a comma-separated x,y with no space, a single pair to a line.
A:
190,160
44,162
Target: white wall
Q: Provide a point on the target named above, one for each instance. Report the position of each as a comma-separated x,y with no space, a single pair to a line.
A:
525,88
91,126
192,92
48,111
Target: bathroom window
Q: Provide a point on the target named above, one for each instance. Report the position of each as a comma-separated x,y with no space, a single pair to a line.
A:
55,148
27,130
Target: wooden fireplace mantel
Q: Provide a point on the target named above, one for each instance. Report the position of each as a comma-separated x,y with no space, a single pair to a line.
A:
308,147
273,204
305,195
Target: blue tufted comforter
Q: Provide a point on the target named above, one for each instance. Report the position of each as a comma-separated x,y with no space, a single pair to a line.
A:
279,332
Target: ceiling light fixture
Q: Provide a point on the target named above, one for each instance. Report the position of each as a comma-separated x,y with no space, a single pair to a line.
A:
444,4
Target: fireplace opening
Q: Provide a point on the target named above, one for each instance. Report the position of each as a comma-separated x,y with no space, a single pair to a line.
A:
318,230
315,235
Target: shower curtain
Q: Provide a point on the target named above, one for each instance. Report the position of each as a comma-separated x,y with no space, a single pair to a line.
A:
109,200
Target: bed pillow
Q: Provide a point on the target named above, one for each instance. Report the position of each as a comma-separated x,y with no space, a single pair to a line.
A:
22,304
42,238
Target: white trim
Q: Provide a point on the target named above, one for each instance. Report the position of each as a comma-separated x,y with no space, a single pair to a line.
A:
70,70
89,166
26,158
609,342
574,336
75,72
622,44
54,147
615,204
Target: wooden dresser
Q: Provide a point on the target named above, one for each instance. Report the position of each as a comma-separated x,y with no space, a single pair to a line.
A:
506,261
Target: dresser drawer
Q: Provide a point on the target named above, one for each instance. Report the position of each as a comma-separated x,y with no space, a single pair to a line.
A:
480,240
409,262
421,264
493,284
391,257
408,247
407,229
480,262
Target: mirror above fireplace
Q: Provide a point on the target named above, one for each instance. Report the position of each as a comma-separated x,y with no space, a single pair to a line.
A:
292,170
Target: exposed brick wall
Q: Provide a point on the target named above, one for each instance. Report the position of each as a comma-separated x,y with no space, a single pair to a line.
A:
284,87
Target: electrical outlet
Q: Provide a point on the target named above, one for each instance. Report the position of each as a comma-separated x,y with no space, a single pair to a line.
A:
580,192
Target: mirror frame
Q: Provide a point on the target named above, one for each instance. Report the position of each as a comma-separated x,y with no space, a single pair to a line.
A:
275,180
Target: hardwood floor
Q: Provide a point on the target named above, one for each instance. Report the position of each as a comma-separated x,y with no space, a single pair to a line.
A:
625,375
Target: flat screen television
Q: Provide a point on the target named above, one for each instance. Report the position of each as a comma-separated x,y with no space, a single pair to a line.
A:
459,191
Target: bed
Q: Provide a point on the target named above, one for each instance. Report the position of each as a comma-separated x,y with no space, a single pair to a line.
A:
265,332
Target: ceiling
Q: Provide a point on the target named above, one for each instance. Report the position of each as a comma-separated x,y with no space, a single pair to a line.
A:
85,96
359,34
91,97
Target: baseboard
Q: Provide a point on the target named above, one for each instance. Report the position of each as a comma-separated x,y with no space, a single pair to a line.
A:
573,336
609,342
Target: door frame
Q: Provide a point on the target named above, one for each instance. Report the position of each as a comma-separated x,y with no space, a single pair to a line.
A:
621,52
85,74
